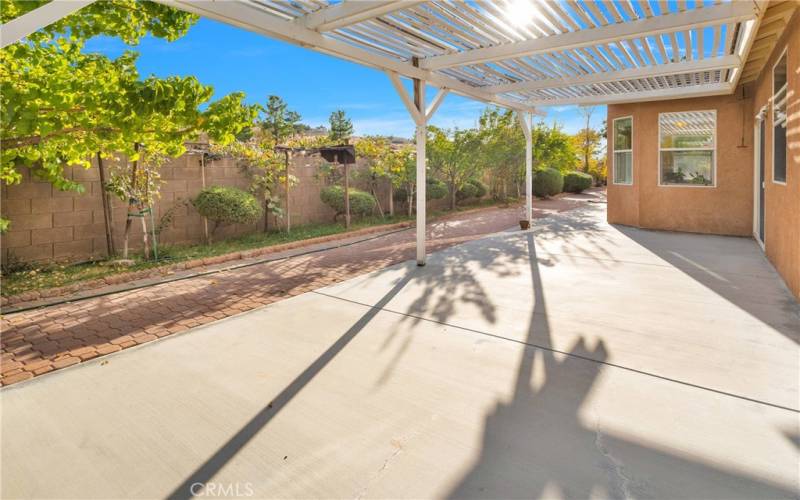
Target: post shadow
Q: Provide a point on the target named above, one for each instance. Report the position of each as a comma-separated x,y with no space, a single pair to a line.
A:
538,445
228,451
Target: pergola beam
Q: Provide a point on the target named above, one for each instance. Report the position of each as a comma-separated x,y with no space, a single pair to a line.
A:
40,17
691,19
351,12
710,64
649,95
252,18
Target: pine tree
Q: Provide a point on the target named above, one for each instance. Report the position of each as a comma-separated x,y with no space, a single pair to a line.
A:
341,127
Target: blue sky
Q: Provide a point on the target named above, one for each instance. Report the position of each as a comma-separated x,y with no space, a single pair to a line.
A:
313,84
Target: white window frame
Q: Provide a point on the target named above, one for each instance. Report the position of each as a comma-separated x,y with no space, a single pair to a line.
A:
614,151
772,116
713,149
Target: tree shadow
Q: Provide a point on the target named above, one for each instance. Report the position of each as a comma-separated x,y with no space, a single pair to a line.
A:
536,445
723,264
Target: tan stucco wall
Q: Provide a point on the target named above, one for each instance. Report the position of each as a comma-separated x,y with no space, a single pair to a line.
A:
782,226
48,224
726,208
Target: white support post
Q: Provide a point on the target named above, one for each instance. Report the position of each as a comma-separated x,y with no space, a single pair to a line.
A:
420,114
422,180
524,121
41,17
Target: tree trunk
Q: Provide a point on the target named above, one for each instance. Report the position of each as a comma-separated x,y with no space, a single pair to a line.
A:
346,197
391,199
410,200
203,186
211,233
452,195
374,192
108,217
266,215
131,205
144,239
288,216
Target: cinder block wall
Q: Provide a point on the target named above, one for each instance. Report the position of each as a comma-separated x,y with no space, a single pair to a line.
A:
48,224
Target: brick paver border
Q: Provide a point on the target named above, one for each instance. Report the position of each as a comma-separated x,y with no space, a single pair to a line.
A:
39,341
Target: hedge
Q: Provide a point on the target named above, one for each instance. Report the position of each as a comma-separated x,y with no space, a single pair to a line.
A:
576,182
361,202
547,182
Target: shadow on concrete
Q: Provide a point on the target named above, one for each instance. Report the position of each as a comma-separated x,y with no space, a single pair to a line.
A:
537,445
725,265
228,451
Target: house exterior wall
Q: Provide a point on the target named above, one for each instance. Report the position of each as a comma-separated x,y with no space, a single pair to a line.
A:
782,214
727,208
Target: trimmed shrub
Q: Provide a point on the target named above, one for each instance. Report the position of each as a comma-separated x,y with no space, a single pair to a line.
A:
227,205
467,191
473,188
481,188
361,203
547,182
576,182
435,189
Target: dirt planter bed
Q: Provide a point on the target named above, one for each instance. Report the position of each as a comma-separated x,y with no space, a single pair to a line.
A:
32,296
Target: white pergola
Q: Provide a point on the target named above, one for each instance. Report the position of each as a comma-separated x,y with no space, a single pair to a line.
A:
517,54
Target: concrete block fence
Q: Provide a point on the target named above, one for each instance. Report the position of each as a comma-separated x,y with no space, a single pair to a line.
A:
52,225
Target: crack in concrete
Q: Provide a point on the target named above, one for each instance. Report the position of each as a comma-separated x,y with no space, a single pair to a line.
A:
616,468
399,445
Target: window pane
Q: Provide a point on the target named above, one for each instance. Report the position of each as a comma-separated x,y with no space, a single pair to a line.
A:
622,133
687,167
691,129
780,153
623,167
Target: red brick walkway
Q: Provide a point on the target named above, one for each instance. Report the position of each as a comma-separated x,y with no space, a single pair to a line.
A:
40,341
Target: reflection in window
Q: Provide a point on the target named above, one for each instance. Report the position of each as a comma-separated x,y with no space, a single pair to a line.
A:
779,98
687,148
623,151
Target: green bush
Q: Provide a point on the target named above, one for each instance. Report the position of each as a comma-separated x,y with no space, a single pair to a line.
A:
435,189
227,205
576,182
473,188
547,182
481,188
467,191
361,203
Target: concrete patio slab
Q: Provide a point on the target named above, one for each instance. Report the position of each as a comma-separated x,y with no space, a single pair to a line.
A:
655,377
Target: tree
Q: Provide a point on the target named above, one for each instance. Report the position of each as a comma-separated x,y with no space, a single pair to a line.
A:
63,106
502,152
263,166
590,136
278,121
552,147
454,156
341,127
